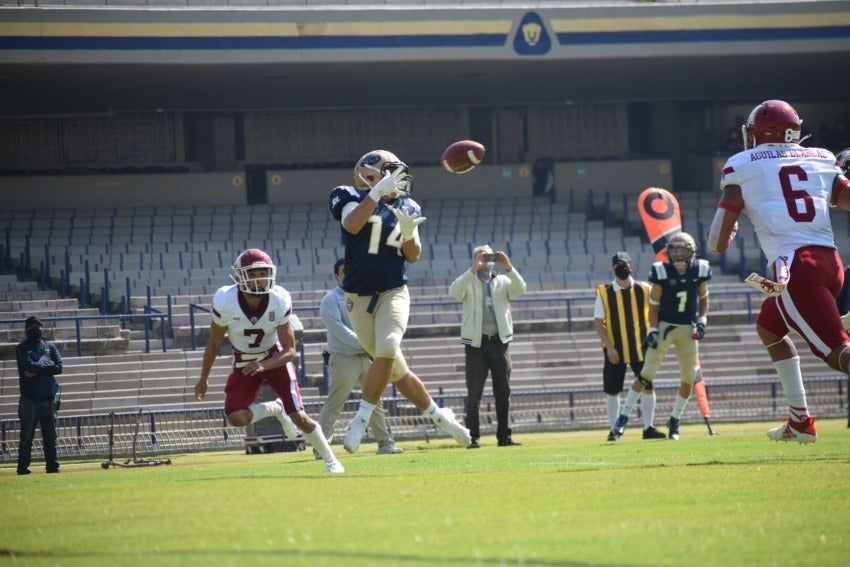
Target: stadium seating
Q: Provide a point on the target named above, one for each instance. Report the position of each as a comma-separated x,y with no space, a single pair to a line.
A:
169,259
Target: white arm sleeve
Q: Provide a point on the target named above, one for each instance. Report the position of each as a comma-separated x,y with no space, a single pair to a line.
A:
714,232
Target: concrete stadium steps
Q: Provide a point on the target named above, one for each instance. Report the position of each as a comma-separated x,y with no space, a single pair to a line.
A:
97,336
127,382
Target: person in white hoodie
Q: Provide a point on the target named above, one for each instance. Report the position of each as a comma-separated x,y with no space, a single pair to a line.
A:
486,330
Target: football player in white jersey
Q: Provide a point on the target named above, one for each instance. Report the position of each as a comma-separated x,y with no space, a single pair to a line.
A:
787,191
255,313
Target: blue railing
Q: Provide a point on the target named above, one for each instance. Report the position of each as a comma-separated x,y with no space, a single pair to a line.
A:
150,313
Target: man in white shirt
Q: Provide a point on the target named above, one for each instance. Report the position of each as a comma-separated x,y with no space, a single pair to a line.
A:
486,330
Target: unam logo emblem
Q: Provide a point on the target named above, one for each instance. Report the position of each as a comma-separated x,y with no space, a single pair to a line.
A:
531,37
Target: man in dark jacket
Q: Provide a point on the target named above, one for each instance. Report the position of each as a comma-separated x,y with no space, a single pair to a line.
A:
38,363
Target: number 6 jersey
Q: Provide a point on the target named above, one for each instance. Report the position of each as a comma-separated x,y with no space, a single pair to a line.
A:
787,192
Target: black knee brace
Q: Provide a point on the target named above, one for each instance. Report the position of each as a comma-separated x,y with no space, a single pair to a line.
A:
647,384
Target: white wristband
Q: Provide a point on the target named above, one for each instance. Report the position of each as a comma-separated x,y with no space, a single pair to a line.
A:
653,329
702,319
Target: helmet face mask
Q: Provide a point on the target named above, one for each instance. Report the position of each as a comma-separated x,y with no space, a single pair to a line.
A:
772,122
372,166
254,272
681,250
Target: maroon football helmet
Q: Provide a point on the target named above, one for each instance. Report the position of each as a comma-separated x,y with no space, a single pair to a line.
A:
254,272
772,122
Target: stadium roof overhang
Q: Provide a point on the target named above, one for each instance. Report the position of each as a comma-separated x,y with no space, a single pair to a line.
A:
60,60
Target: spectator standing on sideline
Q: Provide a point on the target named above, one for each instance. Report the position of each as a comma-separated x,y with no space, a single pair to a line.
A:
787,191
347,364
255,314
39,362
621,321
380,230
486,330
678,299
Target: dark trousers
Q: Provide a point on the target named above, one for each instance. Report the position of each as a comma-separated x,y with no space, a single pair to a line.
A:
41,413
492,357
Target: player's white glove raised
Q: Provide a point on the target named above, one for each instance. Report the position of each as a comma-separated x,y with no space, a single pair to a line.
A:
407,222
388,185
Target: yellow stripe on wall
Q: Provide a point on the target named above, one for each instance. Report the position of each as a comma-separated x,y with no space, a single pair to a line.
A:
259,29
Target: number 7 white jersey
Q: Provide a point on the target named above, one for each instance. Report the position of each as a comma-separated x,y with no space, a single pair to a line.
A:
787,192
251,331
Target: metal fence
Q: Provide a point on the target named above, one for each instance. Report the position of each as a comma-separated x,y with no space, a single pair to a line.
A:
192,430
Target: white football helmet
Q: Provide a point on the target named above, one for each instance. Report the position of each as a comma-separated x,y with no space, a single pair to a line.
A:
681,250
254,272
372,166
843,160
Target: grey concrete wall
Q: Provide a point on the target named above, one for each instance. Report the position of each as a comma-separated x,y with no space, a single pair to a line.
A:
89,191
305,186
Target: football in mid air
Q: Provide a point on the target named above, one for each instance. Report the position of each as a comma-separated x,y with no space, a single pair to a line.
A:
462,156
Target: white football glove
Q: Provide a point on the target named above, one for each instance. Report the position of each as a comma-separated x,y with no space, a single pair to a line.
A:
407,222
387,186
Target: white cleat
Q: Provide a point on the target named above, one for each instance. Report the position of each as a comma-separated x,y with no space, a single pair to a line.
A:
449,424
356,430
801,432
389,448
334,467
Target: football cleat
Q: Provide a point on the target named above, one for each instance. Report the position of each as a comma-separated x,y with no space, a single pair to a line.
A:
620,426
334,467
653,433
388,447
673,428
356,430
445,420
804,432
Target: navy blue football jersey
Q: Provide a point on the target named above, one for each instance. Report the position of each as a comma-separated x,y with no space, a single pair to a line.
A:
374,261
680,298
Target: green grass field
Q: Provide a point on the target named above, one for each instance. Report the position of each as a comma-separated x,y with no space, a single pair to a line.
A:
559,499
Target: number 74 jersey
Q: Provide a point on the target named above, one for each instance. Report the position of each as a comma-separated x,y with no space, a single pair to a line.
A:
787,192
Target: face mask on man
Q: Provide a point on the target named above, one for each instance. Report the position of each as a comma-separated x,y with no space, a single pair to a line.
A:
34,334
622,272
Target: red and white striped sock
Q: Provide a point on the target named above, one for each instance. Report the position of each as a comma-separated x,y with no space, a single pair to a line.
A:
799,415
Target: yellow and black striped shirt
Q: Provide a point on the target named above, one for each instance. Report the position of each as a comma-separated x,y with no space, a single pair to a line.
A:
626,318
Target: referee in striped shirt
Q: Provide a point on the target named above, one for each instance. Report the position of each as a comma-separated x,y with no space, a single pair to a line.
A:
621,321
